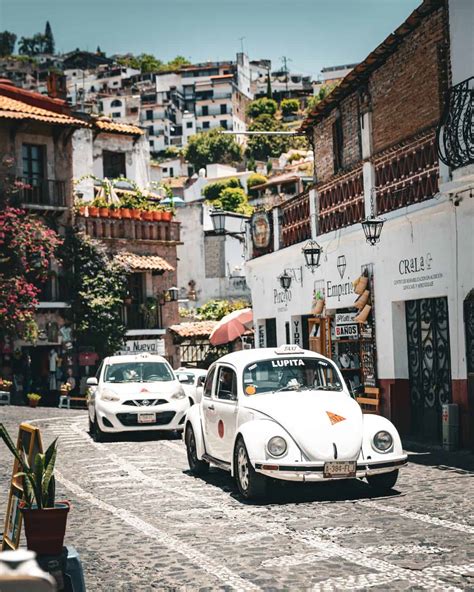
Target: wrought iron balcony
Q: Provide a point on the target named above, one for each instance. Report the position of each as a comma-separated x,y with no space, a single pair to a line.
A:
139,316
42,192
455,133
295,221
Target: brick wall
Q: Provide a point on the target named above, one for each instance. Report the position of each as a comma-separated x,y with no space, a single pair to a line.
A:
406,95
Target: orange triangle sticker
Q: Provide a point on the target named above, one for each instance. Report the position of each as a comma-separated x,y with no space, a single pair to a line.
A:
333,418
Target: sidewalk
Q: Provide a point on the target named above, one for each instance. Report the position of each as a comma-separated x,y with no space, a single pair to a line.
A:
433,455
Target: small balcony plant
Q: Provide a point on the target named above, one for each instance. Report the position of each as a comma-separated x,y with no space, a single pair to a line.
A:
33,399
45,519
5,385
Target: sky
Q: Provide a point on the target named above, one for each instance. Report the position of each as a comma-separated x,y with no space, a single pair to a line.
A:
311,33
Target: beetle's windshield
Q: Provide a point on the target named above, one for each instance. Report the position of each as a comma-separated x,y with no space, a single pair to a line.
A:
290,374
138,372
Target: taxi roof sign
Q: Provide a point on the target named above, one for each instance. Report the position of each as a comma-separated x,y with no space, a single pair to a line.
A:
288,348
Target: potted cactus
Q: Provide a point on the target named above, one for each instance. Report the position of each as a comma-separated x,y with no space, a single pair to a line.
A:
45,519
33,399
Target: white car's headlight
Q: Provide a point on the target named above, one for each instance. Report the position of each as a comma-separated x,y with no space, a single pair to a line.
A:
109,396
178,395
277,446
382,441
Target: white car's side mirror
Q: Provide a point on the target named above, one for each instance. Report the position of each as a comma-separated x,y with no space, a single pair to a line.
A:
201,380
182,378
92,381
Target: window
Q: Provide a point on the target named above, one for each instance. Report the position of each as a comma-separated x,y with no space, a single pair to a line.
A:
114,164
33,163
227,384
116,114
149,114
223,109
189,124
138,372
171,172
207,391
205,125
337,143
271,332
116,103
223,123
165,169
205,110
133,109
92,88
152,143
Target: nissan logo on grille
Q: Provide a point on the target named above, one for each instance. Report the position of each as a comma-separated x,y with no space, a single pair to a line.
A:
146,402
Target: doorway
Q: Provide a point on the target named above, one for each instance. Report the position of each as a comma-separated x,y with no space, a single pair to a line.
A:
429,364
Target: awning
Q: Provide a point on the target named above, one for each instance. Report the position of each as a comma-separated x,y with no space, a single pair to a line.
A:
143,262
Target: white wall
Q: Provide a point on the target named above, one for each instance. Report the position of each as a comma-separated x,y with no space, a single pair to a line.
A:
436,230
461,28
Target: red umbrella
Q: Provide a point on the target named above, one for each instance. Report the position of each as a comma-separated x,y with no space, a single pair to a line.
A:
232,326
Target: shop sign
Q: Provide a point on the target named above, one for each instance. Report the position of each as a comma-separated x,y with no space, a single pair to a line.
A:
416,272
281,296
261,229
350,331
344,318
339,289
151,346
296,326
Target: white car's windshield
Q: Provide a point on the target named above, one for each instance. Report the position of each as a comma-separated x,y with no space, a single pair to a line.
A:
283,374
138,372
185,378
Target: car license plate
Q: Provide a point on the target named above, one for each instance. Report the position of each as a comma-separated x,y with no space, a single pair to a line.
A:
146,417
340,468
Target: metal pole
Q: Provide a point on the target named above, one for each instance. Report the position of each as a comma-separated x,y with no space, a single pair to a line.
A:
277,133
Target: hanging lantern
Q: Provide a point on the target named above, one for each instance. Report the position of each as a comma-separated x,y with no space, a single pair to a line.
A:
312,254
285,280
173,294
218,221
373,229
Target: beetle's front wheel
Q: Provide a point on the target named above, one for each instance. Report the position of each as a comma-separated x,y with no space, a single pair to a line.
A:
252,485
384,482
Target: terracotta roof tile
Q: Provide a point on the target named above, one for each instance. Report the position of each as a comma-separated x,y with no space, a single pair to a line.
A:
107,125
194,329
13,109
175,182
143,262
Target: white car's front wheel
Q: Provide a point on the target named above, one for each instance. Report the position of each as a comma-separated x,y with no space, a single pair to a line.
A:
252,485
96,433
196,466
384,482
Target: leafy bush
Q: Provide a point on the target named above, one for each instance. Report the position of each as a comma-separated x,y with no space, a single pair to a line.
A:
289,106
233,199
255,179
212,147
262,106
214,310
213,190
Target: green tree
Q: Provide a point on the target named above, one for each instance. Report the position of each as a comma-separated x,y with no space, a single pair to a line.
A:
234,199
178,62
214,190
7,43
214,310
48,39
98,286
320,96
289,107
212,147
254,180
32,46
263,106
262,147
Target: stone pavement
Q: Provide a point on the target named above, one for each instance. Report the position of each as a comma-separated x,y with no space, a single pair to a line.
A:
141,522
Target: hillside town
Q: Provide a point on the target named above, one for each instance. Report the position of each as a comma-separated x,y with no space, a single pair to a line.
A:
226,282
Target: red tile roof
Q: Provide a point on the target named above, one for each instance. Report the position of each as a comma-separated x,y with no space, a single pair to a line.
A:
194,329
105,124
143,262
17,109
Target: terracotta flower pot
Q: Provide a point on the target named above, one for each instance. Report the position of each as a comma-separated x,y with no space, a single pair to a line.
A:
115,213
126,213
157,215
166,216
363,315
136,214
318,307
147,216
104,212
362,300
33,402
82,210
361,284
45,529
93,211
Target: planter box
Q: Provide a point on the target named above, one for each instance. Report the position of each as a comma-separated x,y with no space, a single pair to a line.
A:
45,529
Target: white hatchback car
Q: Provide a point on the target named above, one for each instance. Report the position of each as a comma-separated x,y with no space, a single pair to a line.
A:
286,413
192,381
135,392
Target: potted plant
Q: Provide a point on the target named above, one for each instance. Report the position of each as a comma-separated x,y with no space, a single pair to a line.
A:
157,214
115,212
5,385
33,399
103,205
318,303
45,519
167,215
81,206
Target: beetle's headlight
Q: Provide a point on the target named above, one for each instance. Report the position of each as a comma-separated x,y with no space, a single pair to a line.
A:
277,446
107,395
178,395
382,441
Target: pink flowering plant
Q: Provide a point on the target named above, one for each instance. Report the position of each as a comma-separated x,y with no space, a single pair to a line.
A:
26,248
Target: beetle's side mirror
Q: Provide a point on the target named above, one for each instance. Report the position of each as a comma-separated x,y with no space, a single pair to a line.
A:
92,381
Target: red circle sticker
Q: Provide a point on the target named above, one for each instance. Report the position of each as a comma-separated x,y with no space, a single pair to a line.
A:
220,428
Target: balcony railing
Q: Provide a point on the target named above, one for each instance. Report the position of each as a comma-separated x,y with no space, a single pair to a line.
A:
109,228
341,201
139,316
42,192
295,221
455,134
407,174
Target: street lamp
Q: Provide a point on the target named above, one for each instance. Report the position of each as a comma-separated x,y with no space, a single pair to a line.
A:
372,227
285,280
218,221
173,294
312,254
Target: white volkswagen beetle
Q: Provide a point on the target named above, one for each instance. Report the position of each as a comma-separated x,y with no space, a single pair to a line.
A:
286,413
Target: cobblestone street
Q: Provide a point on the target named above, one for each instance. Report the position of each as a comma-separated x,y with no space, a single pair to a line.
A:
141,522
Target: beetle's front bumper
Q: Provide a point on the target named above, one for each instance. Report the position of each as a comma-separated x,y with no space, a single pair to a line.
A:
315,471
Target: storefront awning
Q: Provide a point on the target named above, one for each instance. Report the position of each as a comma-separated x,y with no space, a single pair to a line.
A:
143,262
